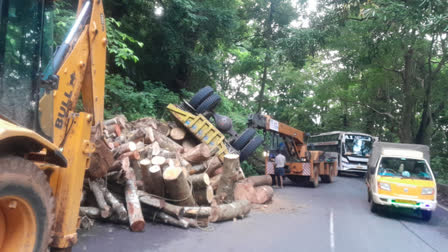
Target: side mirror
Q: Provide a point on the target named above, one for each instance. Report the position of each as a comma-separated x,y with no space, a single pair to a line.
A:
436,174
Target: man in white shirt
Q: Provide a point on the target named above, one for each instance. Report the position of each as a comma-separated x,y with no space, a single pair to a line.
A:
280,161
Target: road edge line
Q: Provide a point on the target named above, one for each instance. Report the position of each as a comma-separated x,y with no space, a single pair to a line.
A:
443,207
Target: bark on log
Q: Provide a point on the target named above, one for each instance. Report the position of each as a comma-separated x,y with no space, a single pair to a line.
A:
260,180
137,135
117,206
132,155
177,187
99,196
211,165
91,212
214,181
237,209
153,181
224,192
218,171
198,154
155,202
167,154
149,135
199,181
263,194
135,215
102,158
197,212
166,142
203,196
126,147
196,169
167,219
178,134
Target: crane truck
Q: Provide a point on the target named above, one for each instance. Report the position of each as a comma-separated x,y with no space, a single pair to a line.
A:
45,144
303,165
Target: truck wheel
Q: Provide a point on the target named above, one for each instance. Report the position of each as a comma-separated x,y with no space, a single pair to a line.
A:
26,206
374,207
426,215
208,104
250,147
328,178
200,96
315,182
244,138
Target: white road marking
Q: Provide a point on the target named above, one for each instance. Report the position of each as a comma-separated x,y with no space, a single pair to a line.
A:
443,207
331,230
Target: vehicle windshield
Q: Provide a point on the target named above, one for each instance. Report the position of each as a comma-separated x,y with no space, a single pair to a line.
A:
404,167
358,145
19,59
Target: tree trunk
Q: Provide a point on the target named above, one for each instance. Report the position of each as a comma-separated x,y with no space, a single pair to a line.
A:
177,187
117,206
198,154
260,180
166,142
237,209
168,208
211,165
135,215
178,134
203,196
199,181
99,196
224,192
153,181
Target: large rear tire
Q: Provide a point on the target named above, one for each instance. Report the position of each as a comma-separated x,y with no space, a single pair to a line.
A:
250,147
200,96
315,182
26,206
244,138
209,104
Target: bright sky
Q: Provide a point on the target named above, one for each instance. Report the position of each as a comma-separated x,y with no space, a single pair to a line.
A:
304,22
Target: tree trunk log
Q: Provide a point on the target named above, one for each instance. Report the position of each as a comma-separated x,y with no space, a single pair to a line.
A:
260,180
136,221
198,154
149,135
199,181
99,196
91,212
214,181
263,194
178,134
153,180
211,165
117,206
158,160
203,196
102,159
163,128
224,192
197,212
166,142
177,186
168,208
126,147
165,218
196,169
237,209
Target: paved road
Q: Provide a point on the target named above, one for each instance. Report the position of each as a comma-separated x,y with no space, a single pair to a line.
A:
333,217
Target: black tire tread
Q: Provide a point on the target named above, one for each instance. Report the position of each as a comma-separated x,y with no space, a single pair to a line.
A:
200,96
208,104
250,147
18,171
244,138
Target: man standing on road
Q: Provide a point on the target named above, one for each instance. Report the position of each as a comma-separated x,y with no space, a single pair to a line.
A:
280,161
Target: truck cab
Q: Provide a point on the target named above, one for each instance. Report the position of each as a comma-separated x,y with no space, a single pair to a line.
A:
400,175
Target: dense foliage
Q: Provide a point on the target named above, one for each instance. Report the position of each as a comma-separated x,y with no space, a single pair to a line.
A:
375,66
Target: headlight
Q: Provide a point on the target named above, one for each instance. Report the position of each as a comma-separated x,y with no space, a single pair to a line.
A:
427,191
384,186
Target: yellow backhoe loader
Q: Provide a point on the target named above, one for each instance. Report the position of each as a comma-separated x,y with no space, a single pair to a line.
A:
45,145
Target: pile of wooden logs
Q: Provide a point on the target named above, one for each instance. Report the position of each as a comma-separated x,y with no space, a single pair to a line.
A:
147,170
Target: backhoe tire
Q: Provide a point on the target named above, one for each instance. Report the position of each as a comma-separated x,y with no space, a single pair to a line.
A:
250,147
315,182
209,104
200,96
26,206
243,139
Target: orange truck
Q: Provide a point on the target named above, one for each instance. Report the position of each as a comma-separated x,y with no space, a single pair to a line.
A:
302,165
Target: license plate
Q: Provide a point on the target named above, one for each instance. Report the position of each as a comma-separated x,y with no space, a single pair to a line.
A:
405,202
